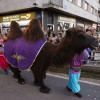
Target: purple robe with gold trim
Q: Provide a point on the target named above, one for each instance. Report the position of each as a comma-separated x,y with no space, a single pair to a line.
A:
21,54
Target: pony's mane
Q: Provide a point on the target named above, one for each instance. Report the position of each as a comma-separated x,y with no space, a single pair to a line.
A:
15,31
34,31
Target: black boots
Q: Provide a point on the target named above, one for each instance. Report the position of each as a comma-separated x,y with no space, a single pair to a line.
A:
68,89
78,95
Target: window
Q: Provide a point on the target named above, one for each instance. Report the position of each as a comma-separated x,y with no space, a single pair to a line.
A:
86,6
99,13
71,1
80,3
95,12
92,10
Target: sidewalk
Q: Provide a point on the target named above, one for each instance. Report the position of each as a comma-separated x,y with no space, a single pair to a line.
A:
65,76
92,65
95,62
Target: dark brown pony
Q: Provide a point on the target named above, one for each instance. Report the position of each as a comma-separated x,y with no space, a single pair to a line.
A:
74,41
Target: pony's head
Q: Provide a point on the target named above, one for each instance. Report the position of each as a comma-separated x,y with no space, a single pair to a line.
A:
79,40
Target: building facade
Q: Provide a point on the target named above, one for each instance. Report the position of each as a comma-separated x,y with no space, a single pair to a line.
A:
55,15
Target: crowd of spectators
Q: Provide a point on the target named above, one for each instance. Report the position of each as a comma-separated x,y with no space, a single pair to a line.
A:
56,38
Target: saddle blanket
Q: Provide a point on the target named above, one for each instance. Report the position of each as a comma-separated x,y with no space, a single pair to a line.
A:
21,54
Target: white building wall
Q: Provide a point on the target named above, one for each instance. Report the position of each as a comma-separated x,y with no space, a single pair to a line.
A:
12,5
76,10
93,3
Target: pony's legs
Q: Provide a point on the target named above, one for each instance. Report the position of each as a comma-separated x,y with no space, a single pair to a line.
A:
39,76
17,75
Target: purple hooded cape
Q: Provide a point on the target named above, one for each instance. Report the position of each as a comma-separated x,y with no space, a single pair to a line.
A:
21,54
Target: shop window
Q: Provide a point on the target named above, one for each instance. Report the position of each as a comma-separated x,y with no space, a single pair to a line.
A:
86,6
66,26
60,26
99,1
50,27
95,12
99,13
50,19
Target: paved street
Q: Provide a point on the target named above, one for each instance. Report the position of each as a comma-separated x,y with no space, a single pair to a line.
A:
11,90
27,27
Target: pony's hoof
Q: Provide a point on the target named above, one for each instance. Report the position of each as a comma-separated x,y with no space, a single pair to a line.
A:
36,83
21,81
15,76
45,89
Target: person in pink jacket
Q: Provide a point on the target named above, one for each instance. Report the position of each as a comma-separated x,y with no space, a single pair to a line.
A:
75,71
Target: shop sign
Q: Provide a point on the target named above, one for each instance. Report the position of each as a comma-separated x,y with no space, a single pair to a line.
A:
80,24
18,17
68,19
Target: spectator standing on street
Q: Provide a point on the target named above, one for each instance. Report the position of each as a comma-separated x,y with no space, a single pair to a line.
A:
52,38
3,62
59,37
75,71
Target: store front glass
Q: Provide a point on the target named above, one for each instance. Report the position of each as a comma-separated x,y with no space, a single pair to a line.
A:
65,23
22,19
